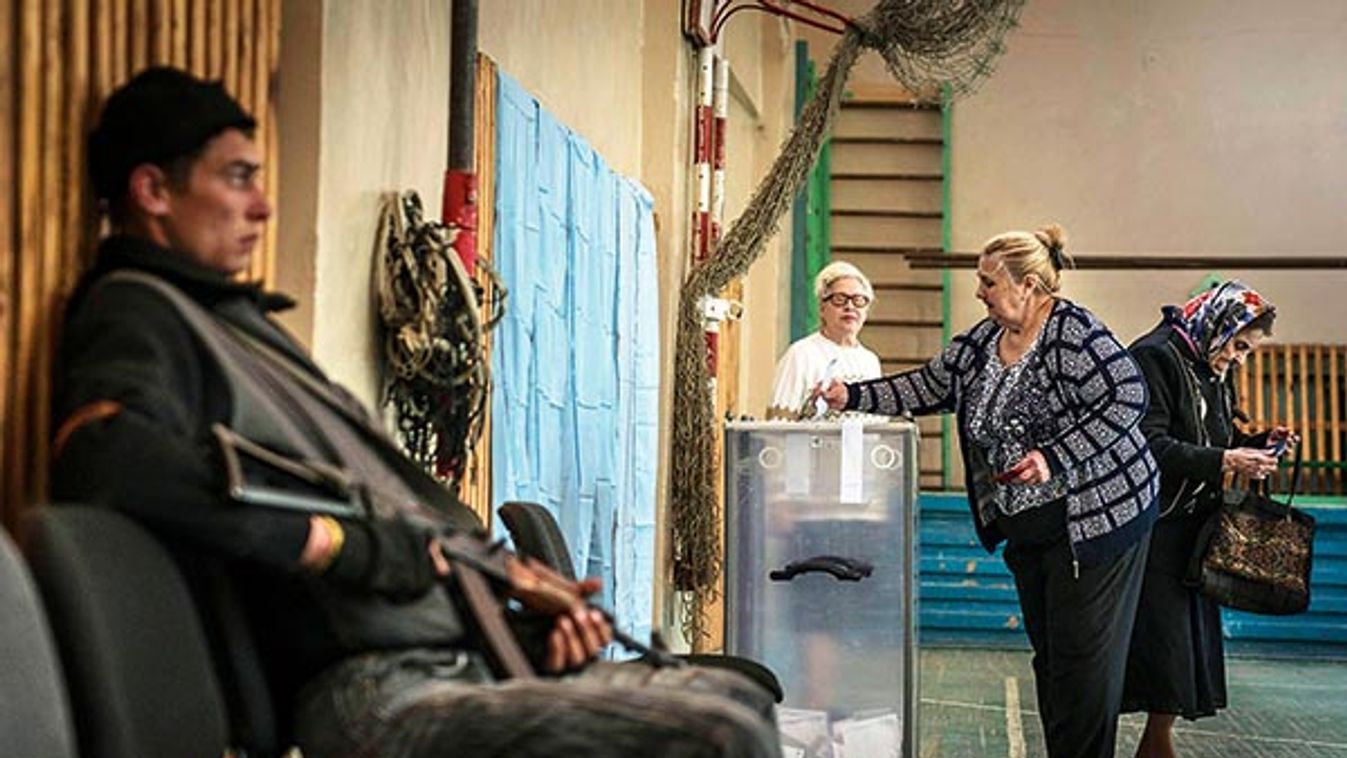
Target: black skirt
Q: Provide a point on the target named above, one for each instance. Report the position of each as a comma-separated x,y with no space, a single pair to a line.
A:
1176,662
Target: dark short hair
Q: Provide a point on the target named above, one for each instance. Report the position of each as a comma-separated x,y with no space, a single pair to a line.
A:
161,116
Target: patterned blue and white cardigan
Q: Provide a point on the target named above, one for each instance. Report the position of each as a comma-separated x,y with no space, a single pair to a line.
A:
1098,397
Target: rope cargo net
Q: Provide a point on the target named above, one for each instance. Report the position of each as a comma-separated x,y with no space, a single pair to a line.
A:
934,48
434,332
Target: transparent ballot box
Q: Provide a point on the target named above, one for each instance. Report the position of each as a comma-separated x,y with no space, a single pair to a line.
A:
821,578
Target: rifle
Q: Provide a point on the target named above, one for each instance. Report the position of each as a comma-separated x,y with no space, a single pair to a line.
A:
322,489
536,584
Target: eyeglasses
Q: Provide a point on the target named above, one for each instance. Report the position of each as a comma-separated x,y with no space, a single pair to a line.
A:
840,299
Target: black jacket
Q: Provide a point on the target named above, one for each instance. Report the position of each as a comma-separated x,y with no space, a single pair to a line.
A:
156,458
1190,472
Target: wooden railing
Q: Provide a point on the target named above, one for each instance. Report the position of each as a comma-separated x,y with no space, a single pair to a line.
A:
1303,387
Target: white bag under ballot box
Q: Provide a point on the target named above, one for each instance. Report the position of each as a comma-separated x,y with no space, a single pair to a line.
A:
821,578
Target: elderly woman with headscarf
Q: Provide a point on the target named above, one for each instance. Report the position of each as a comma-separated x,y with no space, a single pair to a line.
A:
1176,665
1048,405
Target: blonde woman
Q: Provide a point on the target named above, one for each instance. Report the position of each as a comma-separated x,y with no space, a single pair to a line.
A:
1048,406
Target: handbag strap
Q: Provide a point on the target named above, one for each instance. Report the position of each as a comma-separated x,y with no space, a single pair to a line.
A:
1295,481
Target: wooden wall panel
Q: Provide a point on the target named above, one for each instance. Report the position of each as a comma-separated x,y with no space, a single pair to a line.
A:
45,281
475,490
76,222
138,34
58,60
179,34
29,185
8,211
1304,387
214,38
196,35
229,56
161,32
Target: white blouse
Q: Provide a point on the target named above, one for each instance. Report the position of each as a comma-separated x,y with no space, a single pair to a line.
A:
805,364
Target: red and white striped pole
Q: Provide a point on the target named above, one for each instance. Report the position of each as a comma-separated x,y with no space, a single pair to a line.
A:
702,138
717,310
720,108
703,149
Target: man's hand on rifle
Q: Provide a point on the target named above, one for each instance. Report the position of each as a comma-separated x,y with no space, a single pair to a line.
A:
400,560
579,635
579,632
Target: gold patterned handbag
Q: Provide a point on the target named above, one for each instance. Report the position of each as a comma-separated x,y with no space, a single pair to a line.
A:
1254,553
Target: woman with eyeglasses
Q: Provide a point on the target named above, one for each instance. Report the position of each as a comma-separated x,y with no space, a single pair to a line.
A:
1049,406
834,351
1177,662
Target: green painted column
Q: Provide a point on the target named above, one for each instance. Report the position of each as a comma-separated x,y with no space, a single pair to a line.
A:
811,228
799,253
946,427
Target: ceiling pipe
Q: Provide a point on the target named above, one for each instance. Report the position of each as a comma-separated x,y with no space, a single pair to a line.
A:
1124,262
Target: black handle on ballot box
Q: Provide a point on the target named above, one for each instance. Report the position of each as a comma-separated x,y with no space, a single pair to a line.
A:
842,568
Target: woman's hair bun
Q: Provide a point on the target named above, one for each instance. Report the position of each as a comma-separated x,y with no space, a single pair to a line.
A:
1053,237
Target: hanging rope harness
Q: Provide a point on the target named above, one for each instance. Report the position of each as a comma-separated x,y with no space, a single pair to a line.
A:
438,379
932,47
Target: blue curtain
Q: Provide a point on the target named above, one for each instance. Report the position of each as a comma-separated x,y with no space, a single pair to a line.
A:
576,358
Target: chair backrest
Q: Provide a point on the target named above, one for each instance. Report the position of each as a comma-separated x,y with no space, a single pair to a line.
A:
34,714
137,665
243,680
536,535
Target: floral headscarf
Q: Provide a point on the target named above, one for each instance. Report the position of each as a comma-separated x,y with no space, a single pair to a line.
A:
1212,318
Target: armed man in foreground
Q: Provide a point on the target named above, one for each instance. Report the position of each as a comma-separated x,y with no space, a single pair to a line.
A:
181,403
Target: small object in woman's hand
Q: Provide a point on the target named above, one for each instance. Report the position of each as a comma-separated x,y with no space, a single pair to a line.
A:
1012,473
1276,447
820,402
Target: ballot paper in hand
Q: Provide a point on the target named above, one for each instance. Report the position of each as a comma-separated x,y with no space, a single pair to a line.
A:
820,405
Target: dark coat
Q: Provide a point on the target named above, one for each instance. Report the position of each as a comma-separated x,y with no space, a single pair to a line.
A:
157,460
1190,471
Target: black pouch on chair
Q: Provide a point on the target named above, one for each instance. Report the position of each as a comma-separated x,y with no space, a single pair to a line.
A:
1254,554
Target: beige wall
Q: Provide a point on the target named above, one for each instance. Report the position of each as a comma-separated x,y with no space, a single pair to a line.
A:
299,116
1154,127
365,96
761,54
582,60
388,62
380,105
1208,127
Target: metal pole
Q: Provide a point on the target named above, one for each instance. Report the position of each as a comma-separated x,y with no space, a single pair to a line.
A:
459,205
1126,262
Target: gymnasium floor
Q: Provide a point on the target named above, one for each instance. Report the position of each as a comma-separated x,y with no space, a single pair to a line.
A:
980,704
